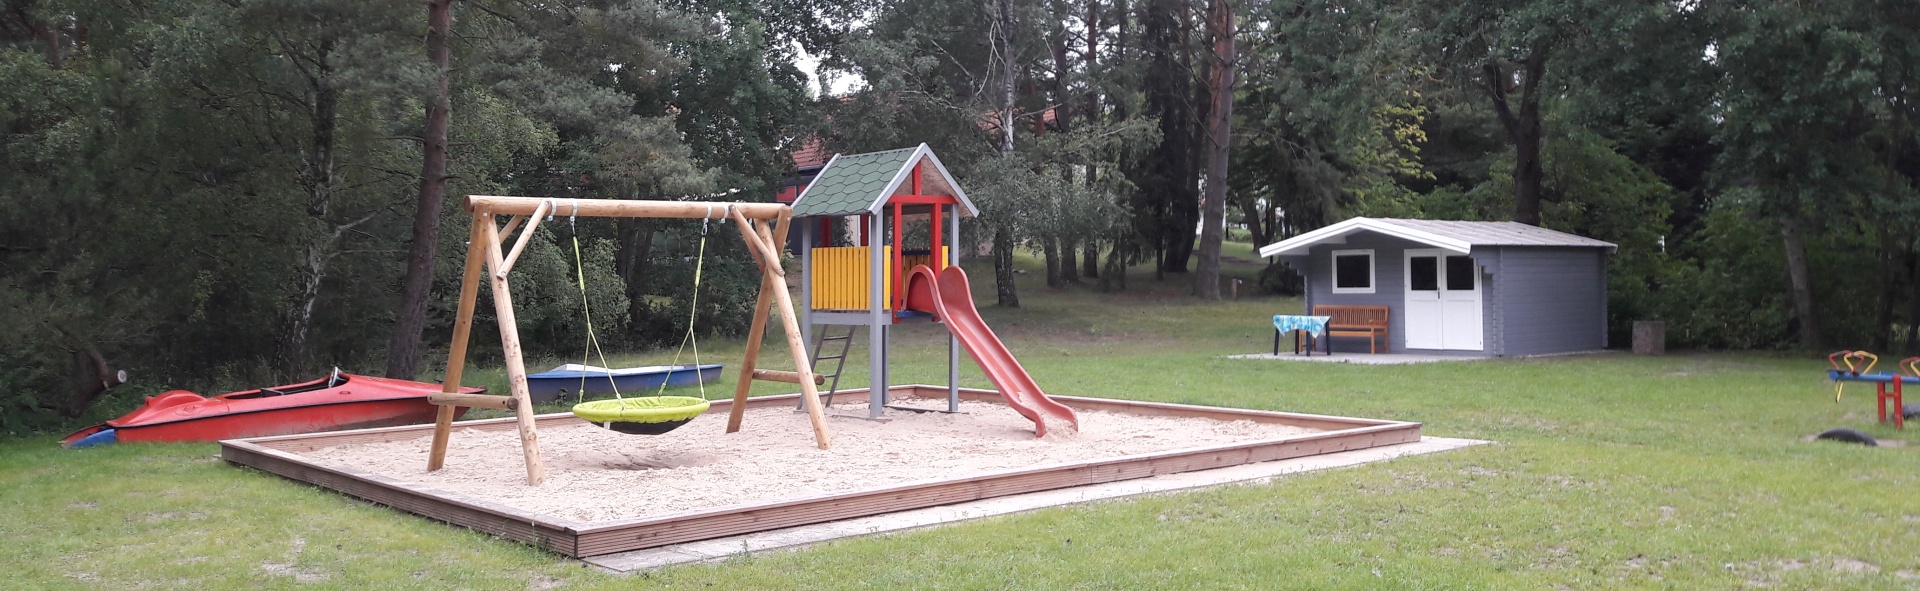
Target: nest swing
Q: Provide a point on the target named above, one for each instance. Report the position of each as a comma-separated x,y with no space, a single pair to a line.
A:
649,415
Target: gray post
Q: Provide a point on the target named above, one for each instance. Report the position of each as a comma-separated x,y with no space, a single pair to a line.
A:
876,318
953,343
806,278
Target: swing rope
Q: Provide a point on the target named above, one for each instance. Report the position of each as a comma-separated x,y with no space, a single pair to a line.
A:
593,342
658,413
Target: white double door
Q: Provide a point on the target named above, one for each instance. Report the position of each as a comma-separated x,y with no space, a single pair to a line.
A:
1443,301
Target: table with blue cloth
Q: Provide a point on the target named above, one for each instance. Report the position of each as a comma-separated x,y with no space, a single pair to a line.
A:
1313,327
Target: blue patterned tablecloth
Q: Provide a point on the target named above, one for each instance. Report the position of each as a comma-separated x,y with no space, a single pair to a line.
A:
1312,324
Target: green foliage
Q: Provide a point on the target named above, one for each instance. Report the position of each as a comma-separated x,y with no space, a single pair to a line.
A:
212,194
1594,191
1333,123
1730,296
1044,192
729,284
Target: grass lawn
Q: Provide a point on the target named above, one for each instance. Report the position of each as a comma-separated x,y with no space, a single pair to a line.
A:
1610,471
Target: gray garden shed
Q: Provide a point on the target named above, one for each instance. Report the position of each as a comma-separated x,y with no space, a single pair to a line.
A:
1487,288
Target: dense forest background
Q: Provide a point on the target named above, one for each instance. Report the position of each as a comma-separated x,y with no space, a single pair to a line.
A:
212,193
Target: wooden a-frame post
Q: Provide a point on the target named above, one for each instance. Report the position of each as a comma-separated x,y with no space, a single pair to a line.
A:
485,246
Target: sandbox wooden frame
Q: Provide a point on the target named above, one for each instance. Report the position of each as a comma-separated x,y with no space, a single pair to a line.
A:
282,455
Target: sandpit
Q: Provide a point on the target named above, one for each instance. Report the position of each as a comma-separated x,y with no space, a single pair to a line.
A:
594,474
606,492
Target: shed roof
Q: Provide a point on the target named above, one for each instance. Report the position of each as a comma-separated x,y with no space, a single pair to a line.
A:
1457,236
862,183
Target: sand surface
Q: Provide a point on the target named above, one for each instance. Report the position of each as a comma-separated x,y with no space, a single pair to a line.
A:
598,475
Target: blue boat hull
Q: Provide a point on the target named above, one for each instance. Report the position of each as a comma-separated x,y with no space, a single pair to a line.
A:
568,385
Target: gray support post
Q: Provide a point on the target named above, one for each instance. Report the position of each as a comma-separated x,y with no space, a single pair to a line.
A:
876,319
806,278
953,342
886,372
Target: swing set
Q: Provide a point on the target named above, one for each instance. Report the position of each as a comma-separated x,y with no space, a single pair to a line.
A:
763,226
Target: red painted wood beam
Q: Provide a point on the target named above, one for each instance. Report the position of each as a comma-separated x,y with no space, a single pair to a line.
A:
939,262
899,259
923,200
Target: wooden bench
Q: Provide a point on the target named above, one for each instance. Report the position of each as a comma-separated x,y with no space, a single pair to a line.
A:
1356,321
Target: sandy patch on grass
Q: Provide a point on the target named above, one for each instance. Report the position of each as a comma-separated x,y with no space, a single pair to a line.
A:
598,475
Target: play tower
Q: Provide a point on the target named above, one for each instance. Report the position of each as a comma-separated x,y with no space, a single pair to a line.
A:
878,246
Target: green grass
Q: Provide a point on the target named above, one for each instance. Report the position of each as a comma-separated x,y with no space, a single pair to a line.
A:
1609,471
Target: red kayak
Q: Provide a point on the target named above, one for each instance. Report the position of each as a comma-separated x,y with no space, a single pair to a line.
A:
338,401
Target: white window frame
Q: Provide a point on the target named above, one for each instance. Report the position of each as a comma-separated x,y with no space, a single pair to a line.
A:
1373,271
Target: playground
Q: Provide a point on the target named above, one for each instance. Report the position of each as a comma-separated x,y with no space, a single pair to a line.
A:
1602,477
724,484
1599,479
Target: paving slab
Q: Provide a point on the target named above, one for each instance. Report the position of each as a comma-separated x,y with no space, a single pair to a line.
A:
793,538
1364,358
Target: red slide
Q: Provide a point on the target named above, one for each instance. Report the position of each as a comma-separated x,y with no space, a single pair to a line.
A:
950,299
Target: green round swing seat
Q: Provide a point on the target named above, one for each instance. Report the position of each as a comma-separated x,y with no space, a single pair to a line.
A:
651,415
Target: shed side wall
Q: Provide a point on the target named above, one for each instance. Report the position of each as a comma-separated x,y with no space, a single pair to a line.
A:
1552,300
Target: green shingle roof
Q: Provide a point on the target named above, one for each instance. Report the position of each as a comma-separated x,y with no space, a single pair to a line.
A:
851,184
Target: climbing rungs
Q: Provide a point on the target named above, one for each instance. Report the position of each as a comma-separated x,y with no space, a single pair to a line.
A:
472,400
791,377
838,338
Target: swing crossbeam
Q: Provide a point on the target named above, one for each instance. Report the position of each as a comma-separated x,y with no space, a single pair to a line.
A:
624,208
762,225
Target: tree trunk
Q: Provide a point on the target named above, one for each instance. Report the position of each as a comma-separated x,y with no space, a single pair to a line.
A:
1062,68
1166,205
1800,282
293,344
1255,226
1003,32
1050,248
1883,326
632,263
1003,269
47,34
1069,261
1114,276
1183,207
1090,266
1091,59
318,181
92,377
403,352
1913,301
1003,286
1213,219
1523,129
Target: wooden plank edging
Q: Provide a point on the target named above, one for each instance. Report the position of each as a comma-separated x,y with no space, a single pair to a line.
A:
544,531
281,455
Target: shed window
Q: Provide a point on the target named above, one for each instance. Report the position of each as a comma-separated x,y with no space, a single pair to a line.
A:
1460,273
1424,273
1353,271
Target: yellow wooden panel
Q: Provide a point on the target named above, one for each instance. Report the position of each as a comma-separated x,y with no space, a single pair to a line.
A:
841,280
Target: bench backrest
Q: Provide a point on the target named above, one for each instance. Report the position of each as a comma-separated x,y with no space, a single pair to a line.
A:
1353,315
